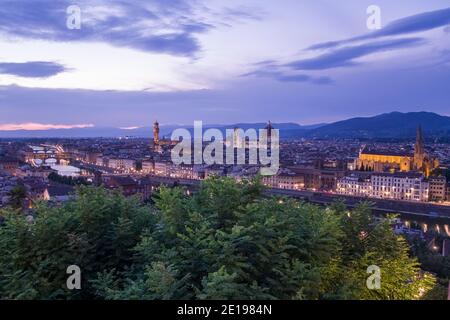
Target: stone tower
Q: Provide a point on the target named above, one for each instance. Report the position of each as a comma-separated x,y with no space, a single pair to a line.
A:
419,150
269,129
156,133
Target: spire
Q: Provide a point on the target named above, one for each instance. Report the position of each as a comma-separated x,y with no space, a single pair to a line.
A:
419,137
419,148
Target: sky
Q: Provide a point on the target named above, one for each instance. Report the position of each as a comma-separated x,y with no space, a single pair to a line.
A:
129,63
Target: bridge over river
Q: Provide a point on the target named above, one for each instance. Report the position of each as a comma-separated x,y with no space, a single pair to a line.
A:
46,154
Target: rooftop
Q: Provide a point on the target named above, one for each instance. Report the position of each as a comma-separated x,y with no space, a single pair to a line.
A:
413,175
386,153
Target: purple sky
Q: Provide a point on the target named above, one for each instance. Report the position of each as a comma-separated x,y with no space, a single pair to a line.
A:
219,61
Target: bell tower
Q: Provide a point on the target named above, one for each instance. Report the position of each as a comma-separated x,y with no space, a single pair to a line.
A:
156,133
269,129
419,150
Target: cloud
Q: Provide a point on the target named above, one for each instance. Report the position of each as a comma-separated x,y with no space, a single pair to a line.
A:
284,77
40,126
244,12
256,100
130,128
160,26
416,23
154,26
32,69
342,57
346,56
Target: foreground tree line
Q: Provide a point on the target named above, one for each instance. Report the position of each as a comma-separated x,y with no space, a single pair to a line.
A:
227,241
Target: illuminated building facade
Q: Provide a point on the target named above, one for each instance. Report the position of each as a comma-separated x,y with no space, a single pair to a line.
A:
400,186
355,185
156,133
148,166
382,161
379,161
411,186
285,180
122,164
438,186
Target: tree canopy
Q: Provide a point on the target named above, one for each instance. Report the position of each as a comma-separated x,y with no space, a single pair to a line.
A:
226,241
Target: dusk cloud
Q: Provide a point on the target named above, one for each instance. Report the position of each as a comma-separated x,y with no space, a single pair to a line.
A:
343,57
244,12
40,126
346,56
32,69
183,60
416,23
251,99
154,26
285,77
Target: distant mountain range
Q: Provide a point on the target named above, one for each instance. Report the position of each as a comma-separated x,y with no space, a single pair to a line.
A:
388,125
286,129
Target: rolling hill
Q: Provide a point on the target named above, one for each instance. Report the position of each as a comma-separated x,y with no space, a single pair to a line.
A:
388,125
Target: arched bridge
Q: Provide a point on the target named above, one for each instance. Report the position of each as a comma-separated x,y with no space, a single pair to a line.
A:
44,152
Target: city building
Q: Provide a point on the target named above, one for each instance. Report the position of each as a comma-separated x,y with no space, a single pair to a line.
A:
400,186
285,180
9,165
185,171
127,184
356,184
393,161
382,161
148,166
143,187
102,162
438,188
162,168
59,193
410,186
92,157
318,179
122,164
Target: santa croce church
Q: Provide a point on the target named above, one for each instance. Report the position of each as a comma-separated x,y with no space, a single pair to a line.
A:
382,161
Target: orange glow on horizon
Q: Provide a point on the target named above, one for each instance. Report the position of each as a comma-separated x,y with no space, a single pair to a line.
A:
40,126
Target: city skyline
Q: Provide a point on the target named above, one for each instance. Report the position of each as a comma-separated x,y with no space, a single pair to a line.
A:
240,153
220,62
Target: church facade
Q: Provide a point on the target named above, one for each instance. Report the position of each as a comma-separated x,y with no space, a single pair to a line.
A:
382,161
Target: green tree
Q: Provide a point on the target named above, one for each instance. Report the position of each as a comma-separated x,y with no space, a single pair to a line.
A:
96,232
227,241
17,197
368,242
